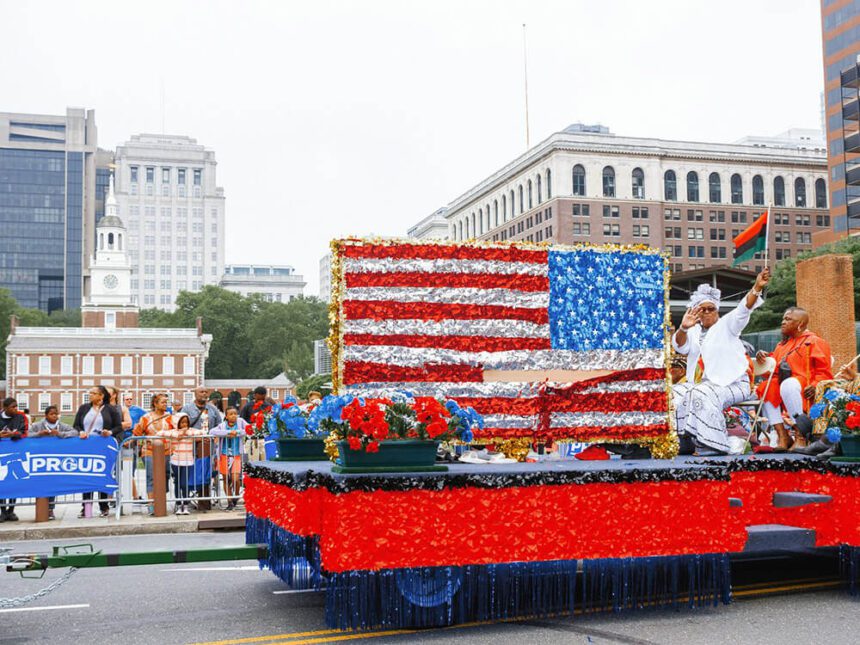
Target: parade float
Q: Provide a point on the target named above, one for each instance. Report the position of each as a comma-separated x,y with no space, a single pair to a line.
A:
535,346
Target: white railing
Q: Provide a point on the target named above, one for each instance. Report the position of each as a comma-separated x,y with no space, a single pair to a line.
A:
97,331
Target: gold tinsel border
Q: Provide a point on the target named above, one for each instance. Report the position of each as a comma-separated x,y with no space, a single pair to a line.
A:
661,447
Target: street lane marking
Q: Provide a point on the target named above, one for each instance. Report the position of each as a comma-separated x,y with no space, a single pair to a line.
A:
84,606
274,637
348,637
280,591
800,587
251,567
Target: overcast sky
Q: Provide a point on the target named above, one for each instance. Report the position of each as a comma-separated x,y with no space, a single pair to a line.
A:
352,118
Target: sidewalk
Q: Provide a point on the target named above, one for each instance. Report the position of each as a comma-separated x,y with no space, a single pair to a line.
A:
68,525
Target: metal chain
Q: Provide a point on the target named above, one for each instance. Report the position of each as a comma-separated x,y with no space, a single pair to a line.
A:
8,603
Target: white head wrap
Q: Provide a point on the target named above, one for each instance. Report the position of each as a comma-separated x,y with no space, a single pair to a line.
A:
705,293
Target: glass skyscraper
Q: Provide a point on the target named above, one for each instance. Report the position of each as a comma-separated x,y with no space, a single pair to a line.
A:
47,186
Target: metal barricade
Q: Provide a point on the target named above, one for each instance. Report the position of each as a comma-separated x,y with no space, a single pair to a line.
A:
194,470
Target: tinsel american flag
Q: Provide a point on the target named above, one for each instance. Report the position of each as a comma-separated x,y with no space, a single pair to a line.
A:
545,342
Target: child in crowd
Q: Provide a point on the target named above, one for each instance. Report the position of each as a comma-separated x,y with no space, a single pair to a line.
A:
153,424
182,460
232,432
13,426
51,426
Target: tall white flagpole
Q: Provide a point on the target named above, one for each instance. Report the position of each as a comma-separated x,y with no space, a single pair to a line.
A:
767,237
526,80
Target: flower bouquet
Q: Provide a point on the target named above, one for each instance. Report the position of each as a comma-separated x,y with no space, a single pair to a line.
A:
391,433
287,423
841,412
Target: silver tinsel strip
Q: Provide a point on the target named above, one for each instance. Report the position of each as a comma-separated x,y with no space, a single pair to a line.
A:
452,295
391,265
608,359
606,419
482,327
449,390
627,386
509,421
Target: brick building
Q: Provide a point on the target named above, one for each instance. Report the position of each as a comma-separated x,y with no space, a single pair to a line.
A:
585,184
57,366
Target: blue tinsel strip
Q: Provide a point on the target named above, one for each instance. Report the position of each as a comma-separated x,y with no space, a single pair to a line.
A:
849,565
295,559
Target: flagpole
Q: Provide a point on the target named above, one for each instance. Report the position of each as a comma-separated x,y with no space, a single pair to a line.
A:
767,237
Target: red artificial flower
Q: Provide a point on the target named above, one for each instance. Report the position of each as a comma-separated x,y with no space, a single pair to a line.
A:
853,422
354,443
372,446
436,428
853,407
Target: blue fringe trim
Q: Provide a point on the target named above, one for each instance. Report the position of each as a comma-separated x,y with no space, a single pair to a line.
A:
849,567
293,558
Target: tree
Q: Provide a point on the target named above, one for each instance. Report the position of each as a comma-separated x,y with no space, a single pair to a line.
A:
317,383
782,292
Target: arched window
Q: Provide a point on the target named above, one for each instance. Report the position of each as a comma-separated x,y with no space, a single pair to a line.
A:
638,179
779,191
715,191
513,204
579,181
609,181
110,241
460,232
692,186
820,193
540,189
119,242
548,183
101,241
800,192
496,212
505,208
474,225
670,186
522,203
467,228
454,232
489,221
530,193
480,221
758,190
737,189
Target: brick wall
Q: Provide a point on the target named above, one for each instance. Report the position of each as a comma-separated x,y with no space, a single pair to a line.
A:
825,288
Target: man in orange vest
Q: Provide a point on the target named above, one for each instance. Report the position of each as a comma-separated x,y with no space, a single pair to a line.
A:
802,359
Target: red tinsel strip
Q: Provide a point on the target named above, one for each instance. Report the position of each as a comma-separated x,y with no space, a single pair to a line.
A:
354,372
388,310
585,433
599,402
463,343
519,282
641,374
384,529
440,251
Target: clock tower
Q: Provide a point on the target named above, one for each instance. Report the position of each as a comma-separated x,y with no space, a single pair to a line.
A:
110,304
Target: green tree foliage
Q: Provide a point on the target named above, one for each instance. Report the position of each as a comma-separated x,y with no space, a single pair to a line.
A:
317,383
782,292
251,338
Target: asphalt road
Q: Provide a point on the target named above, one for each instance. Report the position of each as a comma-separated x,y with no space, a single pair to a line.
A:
233,602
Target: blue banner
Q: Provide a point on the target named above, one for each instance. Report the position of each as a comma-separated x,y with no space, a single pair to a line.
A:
201,474
49,466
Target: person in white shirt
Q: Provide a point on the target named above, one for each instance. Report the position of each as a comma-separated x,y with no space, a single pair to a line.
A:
718,368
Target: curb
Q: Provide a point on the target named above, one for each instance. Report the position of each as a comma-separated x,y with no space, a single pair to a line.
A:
152,526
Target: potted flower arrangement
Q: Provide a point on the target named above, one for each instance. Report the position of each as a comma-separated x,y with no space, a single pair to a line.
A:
287,423
394,433
841,411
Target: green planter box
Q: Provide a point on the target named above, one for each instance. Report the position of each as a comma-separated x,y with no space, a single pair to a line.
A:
301,449
851,446
393,457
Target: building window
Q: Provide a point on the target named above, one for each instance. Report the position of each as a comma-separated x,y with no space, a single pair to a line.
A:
715,193
125,366
180,176
820,193
167,365
670,186
522,201
146,400
758,190
513,204
146,365
529,185
150,174
22,365
581,229
822,220
198,177
188,398
800,192
480,222
66,366
579,181
495,212
778,191
66,402
44,365
44,401
692,186
638,179
188,365
504,208
609,181
107,364
737,189
133,174
165,175
539,189
548,183
88,365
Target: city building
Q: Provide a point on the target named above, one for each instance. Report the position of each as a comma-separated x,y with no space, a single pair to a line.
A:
325,277
432,227
57,366
48,195
277,387
274,283
840,26
322,357
168,197
585,184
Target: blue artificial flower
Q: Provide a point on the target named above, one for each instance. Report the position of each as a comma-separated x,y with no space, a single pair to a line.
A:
272,425
854,397
466,436
276,407
452,406
834,435
833,394
817,410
